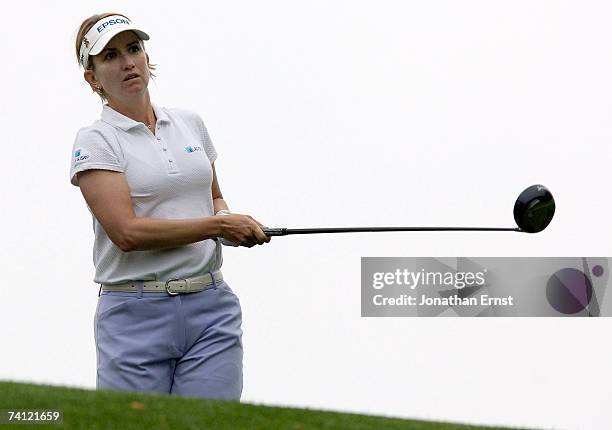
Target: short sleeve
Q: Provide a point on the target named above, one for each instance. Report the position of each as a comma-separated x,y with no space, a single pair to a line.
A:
92,150
209,148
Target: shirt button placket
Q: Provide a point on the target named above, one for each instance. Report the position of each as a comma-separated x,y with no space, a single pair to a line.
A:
170,161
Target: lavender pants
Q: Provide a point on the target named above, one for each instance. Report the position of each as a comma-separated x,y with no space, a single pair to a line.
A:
187,345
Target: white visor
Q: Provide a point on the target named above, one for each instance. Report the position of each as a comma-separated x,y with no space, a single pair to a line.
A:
102,32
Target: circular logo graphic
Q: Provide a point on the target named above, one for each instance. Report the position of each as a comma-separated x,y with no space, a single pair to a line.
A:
598,270
569,291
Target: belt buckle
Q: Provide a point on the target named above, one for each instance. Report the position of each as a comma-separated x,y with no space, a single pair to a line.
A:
172,280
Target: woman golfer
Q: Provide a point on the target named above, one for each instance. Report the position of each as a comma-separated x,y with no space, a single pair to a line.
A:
166,320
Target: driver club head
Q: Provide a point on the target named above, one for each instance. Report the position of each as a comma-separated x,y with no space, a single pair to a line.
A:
534,209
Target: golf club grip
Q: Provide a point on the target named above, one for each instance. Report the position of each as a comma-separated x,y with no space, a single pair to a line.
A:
275,231
287,231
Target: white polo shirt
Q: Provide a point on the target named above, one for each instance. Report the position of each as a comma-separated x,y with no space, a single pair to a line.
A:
169,175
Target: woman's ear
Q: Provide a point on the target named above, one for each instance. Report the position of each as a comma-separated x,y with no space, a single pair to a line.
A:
90,77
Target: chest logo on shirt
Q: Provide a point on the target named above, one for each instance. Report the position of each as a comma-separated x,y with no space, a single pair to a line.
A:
193,148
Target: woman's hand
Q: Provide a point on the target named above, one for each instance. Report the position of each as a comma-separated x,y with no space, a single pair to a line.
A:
242,230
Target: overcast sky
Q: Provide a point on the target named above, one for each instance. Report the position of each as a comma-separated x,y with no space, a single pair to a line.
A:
337,113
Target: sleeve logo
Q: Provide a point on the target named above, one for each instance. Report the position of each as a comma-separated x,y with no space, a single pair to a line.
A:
79,155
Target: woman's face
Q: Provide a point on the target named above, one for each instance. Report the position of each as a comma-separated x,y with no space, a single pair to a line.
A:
121,59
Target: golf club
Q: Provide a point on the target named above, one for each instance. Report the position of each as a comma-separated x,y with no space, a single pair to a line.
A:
533,211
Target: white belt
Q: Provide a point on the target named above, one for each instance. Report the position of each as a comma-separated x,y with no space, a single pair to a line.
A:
171,286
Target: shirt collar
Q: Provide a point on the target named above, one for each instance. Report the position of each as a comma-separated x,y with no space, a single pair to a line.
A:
112,117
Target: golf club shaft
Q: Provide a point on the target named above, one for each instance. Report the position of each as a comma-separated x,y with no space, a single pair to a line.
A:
287,231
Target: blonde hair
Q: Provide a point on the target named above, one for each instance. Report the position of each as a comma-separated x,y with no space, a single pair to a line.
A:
83,29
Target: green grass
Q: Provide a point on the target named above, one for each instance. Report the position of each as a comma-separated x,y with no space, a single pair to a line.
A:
90,409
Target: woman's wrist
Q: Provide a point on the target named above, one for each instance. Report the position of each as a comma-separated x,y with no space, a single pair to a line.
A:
219,216
216,226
